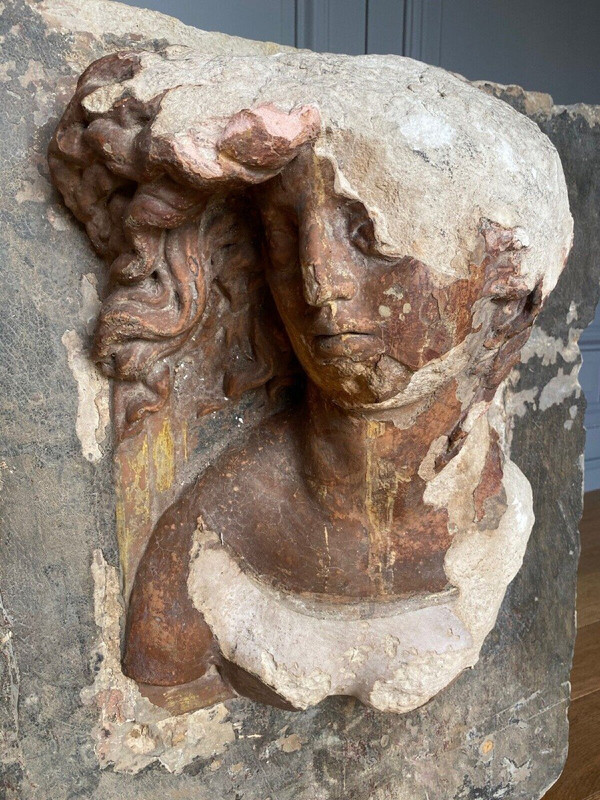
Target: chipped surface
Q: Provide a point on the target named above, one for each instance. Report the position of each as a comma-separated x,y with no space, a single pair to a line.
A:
132,733
93,392
263,630
57,508
381,542
559,388
549,348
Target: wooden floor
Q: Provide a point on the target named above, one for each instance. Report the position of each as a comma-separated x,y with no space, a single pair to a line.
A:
581,778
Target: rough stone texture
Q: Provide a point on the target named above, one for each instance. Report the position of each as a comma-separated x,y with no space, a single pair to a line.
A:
396,122
396,512
499,731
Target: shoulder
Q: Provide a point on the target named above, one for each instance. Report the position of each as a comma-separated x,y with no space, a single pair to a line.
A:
255,470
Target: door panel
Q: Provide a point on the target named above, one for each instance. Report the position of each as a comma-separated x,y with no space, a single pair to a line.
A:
385,26
265,20
589,378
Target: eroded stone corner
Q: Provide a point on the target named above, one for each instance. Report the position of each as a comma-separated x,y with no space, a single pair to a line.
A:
131,732
11,756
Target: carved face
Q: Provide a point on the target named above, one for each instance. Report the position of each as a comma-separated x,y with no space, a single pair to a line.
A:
361,323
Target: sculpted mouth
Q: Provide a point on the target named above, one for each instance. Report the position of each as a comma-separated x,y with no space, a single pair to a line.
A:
350,344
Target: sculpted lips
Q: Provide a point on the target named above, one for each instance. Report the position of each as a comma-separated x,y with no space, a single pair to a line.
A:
351,344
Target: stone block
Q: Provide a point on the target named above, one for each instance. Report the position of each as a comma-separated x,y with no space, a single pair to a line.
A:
499,730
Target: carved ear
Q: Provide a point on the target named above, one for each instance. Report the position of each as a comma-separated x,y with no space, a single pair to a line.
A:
266,137
514,315
515,303
504,248
509,336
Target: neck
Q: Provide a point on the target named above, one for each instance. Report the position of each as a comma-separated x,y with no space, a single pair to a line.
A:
368,463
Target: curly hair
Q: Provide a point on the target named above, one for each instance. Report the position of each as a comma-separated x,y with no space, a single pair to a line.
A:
153,219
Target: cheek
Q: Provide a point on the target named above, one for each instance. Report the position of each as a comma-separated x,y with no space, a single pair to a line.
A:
423,322
418,335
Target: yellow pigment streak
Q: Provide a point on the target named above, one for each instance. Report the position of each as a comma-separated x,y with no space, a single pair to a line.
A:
163,454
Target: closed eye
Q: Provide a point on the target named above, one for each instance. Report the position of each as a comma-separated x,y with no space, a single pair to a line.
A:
361,230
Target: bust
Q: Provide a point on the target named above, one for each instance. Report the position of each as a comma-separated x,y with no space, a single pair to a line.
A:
382,253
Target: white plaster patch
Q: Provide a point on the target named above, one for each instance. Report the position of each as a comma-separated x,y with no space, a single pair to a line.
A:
517,402
483,563
399,657
408,686
90,301
5,69
57,217
517,774
507,155
289,744
104,17
427,131
34,187
427,470
559,388
569,422
132,732
395,291
34,72
480,563
101,100
265,632
572,314
93,413
548,348
438,139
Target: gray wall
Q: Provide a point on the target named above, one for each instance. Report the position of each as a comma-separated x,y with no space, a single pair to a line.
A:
589,377
543,45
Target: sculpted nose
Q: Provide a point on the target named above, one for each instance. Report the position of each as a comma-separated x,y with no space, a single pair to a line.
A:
323,284
326,276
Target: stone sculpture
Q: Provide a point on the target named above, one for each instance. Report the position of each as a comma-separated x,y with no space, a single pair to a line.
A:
337,237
